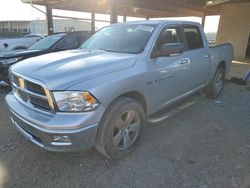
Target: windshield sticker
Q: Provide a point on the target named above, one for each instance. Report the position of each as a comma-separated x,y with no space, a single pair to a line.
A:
145,28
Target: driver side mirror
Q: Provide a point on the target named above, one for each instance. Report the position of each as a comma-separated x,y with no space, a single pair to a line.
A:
168,49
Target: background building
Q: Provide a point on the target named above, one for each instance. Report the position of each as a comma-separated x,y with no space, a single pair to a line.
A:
234,23
235,27
18,28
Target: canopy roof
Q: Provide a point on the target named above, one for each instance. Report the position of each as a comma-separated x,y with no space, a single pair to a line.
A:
140,8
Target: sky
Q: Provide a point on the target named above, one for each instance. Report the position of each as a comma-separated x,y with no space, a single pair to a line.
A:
16,10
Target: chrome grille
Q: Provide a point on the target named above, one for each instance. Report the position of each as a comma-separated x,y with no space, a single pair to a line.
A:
15,80
23,95
31,93
34,87
39,103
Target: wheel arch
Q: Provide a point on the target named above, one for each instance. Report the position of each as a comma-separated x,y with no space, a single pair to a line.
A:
19,47
223,65
139,97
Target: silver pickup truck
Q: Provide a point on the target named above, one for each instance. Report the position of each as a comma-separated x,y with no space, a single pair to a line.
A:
102,94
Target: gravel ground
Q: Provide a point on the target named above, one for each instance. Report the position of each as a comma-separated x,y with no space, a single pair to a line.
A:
204,146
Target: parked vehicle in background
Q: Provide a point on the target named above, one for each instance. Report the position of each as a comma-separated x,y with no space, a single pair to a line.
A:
52,43
211,42
124,75
35,35
21,43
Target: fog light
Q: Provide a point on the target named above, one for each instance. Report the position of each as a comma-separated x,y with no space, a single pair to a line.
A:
61,140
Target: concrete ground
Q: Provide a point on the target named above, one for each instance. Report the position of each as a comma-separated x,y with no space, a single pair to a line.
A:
204,146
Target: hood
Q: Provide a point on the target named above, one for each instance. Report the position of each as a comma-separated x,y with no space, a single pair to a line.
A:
63,69
17,53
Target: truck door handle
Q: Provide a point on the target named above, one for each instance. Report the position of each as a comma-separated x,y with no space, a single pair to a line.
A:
206,56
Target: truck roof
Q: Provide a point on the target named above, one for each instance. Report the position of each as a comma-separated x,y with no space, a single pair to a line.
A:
157,22
72,32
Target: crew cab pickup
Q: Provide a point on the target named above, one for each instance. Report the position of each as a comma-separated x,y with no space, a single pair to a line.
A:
102,94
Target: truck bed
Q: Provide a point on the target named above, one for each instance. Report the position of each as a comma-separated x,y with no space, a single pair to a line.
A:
222,53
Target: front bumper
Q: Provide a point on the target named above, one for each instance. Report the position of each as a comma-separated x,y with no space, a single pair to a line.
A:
55,131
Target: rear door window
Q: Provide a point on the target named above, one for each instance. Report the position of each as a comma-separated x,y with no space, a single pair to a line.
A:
193,37
171,34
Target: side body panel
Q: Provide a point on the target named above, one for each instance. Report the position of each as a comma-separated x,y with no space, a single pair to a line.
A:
221,53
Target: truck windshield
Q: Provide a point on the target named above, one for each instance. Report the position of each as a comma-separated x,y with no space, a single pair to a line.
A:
128,38
47,42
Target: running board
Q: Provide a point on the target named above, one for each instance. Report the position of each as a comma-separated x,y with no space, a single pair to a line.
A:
174,109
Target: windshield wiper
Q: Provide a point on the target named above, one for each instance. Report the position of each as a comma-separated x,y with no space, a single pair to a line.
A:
106,50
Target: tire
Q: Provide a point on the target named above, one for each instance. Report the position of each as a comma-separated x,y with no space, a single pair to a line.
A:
120,128
215,87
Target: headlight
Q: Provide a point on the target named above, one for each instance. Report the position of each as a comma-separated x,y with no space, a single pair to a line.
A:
9,61
75,101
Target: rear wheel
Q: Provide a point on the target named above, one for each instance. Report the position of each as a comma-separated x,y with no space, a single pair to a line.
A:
214,89
120,128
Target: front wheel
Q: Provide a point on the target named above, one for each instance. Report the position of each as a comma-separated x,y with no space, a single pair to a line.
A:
120,128
214,89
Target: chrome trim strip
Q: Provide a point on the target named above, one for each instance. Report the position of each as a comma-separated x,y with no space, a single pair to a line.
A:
22,79
14,85
29,105
29,79
29,92
21,83
50,100
61,143
35,94
176,110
